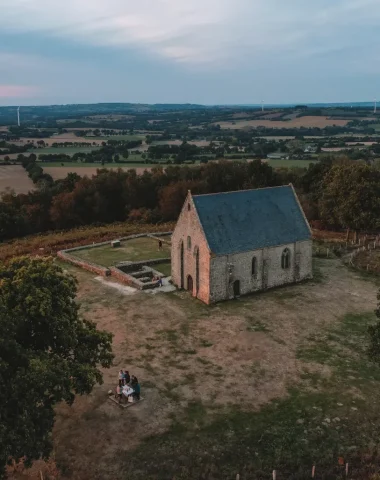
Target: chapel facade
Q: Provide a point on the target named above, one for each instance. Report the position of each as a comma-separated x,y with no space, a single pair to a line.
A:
230,244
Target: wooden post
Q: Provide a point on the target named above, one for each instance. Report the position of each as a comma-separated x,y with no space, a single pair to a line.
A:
313,472
346,469
237,476
274,474
42,477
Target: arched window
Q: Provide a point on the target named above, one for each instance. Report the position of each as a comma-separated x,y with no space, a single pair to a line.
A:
285,259
254,266
189,243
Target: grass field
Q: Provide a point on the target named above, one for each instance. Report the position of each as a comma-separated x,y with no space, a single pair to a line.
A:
62,172
307,121
278,380
134,250
64,150
116,137
289,163
16,178
165,268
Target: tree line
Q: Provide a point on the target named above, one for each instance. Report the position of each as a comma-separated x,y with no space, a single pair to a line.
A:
339,193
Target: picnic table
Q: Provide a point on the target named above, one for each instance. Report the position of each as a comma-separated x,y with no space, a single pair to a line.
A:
127,390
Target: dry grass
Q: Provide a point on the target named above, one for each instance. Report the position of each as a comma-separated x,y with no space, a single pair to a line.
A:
15,177
236,354
51,243
307,121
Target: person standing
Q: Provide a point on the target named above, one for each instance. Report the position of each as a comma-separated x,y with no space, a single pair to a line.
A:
127,377
121,378
159,244
136,391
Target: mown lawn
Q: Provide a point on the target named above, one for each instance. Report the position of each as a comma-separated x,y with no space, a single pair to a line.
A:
134,250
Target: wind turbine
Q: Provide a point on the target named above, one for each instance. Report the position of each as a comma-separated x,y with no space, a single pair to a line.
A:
375,109
262,105
18,116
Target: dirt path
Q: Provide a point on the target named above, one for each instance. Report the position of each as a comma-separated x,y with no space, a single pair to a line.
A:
240,352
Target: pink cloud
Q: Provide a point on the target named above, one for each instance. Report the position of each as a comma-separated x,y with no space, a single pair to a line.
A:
8,91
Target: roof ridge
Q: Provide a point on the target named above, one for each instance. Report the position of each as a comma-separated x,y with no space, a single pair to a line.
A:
240,191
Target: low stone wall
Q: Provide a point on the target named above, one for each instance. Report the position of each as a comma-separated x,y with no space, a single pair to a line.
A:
91,267
120,275
133,281
134,266
156,237
129,237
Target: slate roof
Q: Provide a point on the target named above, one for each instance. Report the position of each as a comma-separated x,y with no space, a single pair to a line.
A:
251,219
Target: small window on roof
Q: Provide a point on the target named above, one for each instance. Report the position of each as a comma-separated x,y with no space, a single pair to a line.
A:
188,206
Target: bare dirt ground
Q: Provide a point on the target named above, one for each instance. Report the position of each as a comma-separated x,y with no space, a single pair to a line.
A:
16,178
309,121
235,353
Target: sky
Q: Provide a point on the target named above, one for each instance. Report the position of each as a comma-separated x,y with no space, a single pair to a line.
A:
194,51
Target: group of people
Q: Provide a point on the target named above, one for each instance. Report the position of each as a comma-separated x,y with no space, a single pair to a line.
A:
125,380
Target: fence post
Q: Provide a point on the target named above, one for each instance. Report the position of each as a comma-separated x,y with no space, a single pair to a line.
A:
237,476
346,469
274,474
313,472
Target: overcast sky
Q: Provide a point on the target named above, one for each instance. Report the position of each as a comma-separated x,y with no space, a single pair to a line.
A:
194,51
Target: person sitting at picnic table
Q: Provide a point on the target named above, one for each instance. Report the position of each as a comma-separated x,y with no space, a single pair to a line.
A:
121,378
127,377
119,393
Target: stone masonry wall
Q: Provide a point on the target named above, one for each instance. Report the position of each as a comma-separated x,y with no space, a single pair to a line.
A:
91,267
269,273
67,256
188,225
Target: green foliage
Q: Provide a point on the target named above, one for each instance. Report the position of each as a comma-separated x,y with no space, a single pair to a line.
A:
351,197
47,354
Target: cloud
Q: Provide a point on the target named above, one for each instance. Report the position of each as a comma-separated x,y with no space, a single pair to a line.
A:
195,32
17,91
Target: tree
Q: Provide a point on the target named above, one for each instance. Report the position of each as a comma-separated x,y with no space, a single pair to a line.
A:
47,354
351,197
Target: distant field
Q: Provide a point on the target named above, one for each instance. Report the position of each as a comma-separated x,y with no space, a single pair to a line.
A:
64,150
61,172
198,143
289,163
309,121
16,178
128,138
134,250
